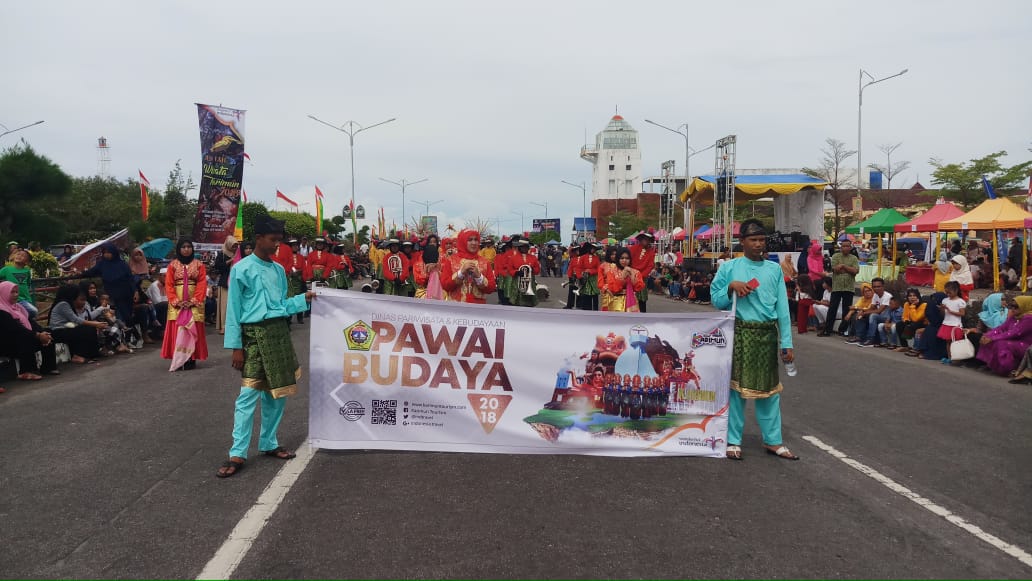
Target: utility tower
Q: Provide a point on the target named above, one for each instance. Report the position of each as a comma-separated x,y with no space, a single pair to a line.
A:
103,158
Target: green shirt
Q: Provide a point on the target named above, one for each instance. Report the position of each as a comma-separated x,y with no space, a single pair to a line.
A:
21,277
844,281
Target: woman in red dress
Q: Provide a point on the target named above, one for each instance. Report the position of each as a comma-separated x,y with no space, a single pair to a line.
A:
186,283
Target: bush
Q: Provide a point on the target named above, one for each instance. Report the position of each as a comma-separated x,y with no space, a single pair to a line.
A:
44,265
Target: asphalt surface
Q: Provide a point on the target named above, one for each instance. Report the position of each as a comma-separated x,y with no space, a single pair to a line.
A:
108,472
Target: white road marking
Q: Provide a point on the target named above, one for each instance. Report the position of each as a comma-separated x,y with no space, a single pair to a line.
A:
239,542
935,509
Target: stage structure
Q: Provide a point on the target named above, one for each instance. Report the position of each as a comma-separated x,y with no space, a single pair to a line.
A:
666,204
724,196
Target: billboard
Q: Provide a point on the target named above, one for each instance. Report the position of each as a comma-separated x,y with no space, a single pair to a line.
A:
544,225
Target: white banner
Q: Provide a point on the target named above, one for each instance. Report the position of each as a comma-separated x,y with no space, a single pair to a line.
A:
403,374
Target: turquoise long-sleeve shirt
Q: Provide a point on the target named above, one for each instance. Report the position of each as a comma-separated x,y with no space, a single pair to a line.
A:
257,291
768,302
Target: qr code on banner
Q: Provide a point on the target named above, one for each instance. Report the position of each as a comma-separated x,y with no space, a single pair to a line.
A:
385,412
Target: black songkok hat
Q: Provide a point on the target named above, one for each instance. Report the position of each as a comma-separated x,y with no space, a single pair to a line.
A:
751,228
266,224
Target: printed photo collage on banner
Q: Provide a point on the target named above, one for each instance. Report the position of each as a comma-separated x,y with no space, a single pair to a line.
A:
388,373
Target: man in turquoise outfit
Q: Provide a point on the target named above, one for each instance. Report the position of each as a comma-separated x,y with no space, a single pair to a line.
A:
762,324
257,314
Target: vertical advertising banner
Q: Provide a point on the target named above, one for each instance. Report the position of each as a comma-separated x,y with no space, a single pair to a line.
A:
222,174
429,223
401,374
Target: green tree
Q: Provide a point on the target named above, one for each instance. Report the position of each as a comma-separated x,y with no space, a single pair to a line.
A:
623,224
30,184
178,211
250,210
963,182
98,207
543,237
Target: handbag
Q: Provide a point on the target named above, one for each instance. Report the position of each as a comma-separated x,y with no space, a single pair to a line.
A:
962,348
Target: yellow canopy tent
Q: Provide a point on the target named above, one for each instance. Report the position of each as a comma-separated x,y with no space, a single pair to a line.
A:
700,190
995,214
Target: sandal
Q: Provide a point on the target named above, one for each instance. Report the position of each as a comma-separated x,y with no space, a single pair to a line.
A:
229,468
280,453
734,452
782,452
30,377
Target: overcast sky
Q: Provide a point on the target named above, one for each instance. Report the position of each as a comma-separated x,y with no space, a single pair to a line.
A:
493,99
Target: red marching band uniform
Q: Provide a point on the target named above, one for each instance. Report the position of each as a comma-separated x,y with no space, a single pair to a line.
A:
320,264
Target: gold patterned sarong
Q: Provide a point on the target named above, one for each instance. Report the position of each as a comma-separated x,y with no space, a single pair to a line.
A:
754,360
269,360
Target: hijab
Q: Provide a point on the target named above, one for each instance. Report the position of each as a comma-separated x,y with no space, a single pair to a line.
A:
227,246
13,308
245,245
932,313
1024,305
787,268
962,276
815,259
461,244
863,302
138,263
993,312
943,264
187,259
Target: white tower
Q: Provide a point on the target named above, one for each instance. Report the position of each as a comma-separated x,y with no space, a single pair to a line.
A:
103,158
617,161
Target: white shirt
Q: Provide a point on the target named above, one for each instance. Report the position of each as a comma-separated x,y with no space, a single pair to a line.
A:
953,305
156,294
669,259
878,301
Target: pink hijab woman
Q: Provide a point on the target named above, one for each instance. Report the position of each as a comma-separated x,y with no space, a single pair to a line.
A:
12,307
815,262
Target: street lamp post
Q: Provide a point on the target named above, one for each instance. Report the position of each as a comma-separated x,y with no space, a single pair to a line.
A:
352,129
584,204
426,205
8,131
859,118
542,205
403,184
689,153
523,220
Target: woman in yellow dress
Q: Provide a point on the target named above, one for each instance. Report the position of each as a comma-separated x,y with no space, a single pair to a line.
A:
623,283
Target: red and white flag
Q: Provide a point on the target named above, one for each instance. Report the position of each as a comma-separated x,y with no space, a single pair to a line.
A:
280,195
244,194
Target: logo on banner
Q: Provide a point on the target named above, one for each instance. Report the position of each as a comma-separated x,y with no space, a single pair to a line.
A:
715,338
352,411
359,336
489,409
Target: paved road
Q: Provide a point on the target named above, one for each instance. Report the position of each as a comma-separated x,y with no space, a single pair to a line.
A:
108,471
